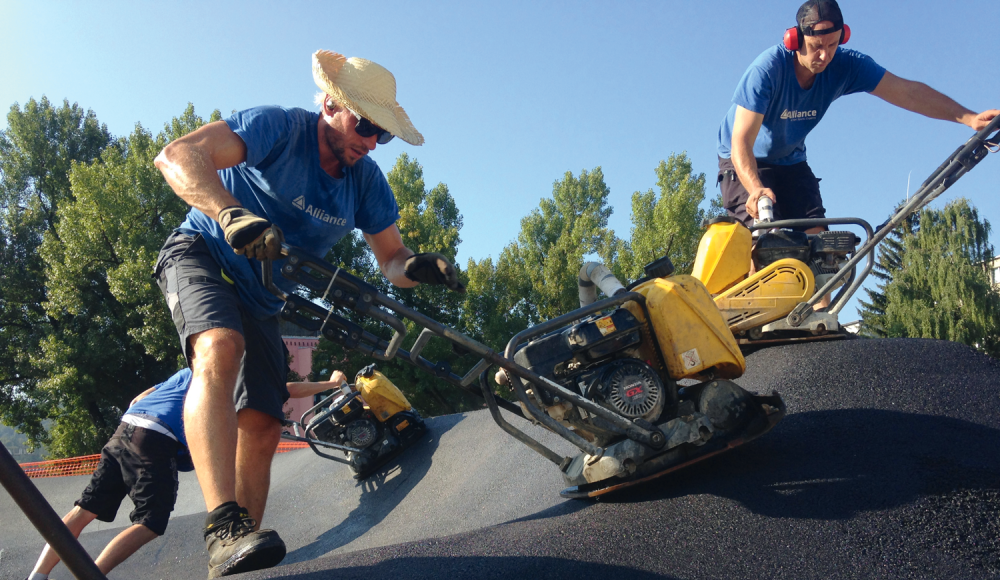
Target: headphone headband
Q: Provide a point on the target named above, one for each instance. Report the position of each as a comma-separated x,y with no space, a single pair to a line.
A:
793,36
810,31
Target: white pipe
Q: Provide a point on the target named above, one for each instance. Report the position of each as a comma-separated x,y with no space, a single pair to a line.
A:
594,275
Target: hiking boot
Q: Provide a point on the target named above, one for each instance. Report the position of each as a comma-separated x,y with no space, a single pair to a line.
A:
234,547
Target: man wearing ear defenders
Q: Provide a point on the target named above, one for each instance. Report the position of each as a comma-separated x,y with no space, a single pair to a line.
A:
784,94
254,180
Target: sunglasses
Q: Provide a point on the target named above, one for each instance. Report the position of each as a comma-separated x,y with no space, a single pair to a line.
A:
366,128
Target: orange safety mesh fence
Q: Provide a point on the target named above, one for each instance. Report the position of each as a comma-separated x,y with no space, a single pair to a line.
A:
62,467
291,446
86,464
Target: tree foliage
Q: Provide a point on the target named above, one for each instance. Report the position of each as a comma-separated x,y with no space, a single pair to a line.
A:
936,282
890,261
37,150
666,224
109,335
544,263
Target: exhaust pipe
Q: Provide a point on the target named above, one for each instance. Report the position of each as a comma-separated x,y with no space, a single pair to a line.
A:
594,275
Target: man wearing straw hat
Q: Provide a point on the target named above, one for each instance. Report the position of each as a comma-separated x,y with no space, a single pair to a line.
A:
264,176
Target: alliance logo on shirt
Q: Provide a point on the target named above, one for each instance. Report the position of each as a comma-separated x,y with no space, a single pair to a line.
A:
317,212
798,115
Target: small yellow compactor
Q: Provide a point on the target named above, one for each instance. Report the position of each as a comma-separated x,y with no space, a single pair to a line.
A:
790,267
369,422
788,295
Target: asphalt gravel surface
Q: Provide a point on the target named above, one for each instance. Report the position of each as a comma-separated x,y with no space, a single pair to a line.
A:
885,467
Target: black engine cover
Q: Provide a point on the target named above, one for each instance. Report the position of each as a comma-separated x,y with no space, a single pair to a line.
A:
347,408
774,246
590,341
834,242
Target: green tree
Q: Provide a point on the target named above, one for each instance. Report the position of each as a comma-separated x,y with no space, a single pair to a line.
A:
542,267
890,260
671,221
939,285
497,303
109,335
429,222
37,150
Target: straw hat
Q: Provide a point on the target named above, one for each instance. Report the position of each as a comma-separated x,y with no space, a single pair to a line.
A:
365,88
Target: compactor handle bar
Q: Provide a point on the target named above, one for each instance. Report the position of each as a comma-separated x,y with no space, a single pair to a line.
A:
959,163
341,290
765,210
349,292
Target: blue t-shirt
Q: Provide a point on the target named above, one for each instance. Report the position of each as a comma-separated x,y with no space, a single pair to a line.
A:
769,87
282,181
165,405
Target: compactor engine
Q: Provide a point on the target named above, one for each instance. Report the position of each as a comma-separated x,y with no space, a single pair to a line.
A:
630,361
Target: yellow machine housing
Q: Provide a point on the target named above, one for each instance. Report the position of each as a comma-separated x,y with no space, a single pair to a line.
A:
722,258
383,398
767,295
691,333
722,264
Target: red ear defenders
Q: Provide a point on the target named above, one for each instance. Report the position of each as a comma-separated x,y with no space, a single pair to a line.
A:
793,37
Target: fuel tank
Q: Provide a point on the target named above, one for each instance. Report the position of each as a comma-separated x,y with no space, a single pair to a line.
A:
691,332
723,254
383,398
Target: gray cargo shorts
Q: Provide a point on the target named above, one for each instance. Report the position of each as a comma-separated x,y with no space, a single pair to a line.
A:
201,297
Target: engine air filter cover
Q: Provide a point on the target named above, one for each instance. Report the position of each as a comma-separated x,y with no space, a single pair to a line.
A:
834,242
633,389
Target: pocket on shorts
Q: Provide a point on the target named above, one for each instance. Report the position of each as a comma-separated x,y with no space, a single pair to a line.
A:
734,194
174,248
166,279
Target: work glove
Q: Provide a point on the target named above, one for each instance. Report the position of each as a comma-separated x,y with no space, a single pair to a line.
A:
250,235
432,268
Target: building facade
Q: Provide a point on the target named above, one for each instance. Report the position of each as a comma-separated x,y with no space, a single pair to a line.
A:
300,344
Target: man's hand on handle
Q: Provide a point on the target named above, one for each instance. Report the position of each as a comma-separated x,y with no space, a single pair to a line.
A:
432,268
980,121
755,195
251,235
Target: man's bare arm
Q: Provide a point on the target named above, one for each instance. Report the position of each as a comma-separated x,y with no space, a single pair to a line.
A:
299,390
746,126
920,98
391,255
190,166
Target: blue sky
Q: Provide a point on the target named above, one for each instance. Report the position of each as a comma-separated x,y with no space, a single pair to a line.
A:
511,95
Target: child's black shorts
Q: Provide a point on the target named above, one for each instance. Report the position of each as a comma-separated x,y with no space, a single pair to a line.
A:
141,464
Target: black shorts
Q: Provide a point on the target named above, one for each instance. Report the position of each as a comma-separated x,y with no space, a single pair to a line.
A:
795,186
200,297
141,464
